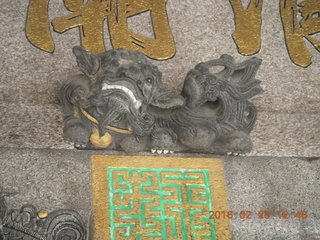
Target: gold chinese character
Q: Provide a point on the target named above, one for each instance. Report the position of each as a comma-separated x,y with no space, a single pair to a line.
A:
247,35
37,26
161,47
90,17
295,31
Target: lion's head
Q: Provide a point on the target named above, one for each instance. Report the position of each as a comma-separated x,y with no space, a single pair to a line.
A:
126,82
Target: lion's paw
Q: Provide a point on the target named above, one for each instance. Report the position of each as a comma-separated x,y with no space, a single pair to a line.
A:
80,146
240,154
162,151
76,132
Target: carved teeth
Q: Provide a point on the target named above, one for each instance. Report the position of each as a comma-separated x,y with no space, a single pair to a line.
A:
159,151
171,151
229,153
127,91
165,151
235,154
153,150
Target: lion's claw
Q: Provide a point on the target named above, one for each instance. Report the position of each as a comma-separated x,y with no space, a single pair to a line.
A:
236,154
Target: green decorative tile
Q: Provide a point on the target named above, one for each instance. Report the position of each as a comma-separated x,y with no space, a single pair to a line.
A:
155,197
160,203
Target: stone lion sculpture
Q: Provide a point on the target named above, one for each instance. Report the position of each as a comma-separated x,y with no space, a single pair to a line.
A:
118,103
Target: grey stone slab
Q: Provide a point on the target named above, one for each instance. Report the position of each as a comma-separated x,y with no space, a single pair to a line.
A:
48,179
202,31
296,179
275,229
274,184
275,134
32,126
284,134
52,179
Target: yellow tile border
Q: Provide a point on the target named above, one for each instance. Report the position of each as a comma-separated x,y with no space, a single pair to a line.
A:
101,227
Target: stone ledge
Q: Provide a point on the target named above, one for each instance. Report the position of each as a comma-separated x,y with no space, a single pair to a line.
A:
275,134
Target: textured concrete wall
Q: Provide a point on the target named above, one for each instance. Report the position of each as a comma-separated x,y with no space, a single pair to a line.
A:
289,109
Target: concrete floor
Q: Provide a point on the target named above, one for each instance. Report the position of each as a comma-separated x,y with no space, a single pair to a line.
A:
55,179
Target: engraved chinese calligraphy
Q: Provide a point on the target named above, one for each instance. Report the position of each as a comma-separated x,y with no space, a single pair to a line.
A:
247,35
90,17
297,32
37,26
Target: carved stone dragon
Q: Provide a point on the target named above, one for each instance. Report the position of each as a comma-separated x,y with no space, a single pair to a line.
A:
118,103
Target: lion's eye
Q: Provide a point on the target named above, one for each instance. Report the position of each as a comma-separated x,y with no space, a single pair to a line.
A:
149,80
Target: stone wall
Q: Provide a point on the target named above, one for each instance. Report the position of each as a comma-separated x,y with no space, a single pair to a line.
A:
289,109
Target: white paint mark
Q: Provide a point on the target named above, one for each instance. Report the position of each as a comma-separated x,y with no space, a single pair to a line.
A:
137,103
